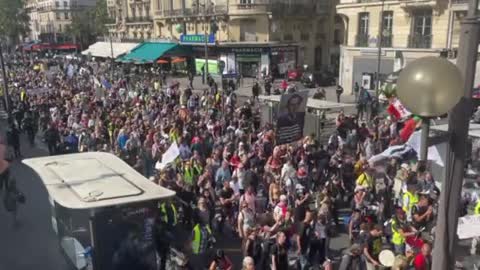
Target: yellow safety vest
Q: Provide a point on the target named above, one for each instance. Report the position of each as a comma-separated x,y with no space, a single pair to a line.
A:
365,180
188,175
412,200
477,208
397,238
163,211
197,237
23,95
173,135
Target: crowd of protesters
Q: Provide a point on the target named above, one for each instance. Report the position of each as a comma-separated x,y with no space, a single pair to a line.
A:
283,203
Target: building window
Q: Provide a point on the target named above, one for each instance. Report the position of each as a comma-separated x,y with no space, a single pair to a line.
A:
304,36
133,12
57,16
65,3
287,37
66,15
59,28
387,25
57,4
421,36
362,34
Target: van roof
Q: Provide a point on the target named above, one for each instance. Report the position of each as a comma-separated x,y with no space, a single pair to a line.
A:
94,179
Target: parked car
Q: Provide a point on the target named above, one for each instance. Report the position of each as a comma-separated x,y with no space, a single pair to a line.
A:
295,74
322,78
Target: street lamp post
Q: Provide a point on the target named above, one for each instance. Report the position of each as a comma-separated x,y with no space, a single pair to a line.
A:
458,125
379,43
429,87
206,42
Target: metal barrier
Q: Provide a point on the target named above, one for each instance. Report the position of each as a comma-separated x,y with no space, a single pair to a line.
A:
315,123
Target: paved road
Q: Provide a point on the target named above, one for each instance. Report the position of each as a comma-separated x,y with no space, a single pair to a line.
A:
31,245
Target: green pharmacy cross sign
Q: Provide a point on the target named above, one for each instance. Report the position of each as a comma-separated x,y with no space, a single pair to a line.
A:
197,39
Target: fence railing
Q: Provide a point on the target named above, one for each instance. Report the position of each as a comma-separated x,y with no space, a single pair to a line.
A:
420,41
361,40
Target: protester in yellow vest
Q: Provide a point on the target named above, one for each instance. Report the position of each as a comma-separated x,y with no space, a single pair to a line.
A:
475,240
410,198
168,213
366,179
400,230
201,239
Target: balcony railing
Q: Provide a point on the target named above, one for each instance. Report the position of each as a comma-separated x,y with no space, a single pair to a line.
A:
459,2
361,40
420,41
195,11
288,9
142,19
387,41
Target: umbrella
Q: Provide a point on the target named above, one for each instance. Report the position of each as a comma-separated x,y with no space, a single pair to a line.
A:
162,61
178,60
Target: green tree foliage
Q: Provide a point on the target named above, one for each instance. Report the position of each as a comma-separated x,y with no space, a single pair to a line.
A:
13,20
101,17
88,24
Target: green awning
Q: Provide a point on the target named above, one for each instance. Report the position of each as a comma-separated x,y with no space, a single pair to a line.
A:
147,52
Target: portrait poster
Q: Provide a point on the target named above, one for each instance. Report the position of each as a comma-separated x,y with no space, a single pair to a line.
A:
291,117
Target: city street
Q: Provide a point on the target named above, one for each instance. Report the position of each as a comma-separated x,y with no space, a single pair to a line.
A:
35,239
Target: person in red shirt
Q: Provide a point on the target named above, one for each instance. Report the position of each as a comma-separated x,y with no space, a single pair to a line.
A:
423,260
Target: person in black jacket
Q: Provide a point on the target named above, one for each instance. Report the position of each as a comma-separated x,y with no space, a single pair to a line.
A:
52,138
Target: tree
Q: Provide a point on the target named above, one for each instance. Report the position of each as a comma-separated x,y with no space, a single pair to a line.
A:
88,24
101,18
14,21
82,28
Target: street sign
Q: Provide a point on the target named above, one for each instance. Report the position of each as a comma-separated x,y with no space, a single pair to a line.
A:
197,39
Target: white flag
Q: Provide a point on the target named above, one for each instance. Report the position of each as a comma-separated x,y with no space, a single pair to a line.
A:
169,156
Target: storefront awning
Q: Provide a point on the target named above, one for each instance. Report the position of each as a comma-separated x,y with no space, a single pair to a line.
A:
147,52
104,49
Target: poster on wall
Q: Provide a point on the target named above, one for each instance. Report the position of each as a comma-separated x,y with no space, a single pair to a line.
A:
212,66
291,117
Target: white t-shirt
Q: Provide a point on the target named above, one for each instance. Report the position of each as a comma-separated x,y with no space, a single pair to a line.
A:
236,187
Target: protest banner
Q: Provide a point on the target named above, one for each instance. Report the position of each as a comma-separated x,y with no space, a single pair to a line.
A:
291,117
